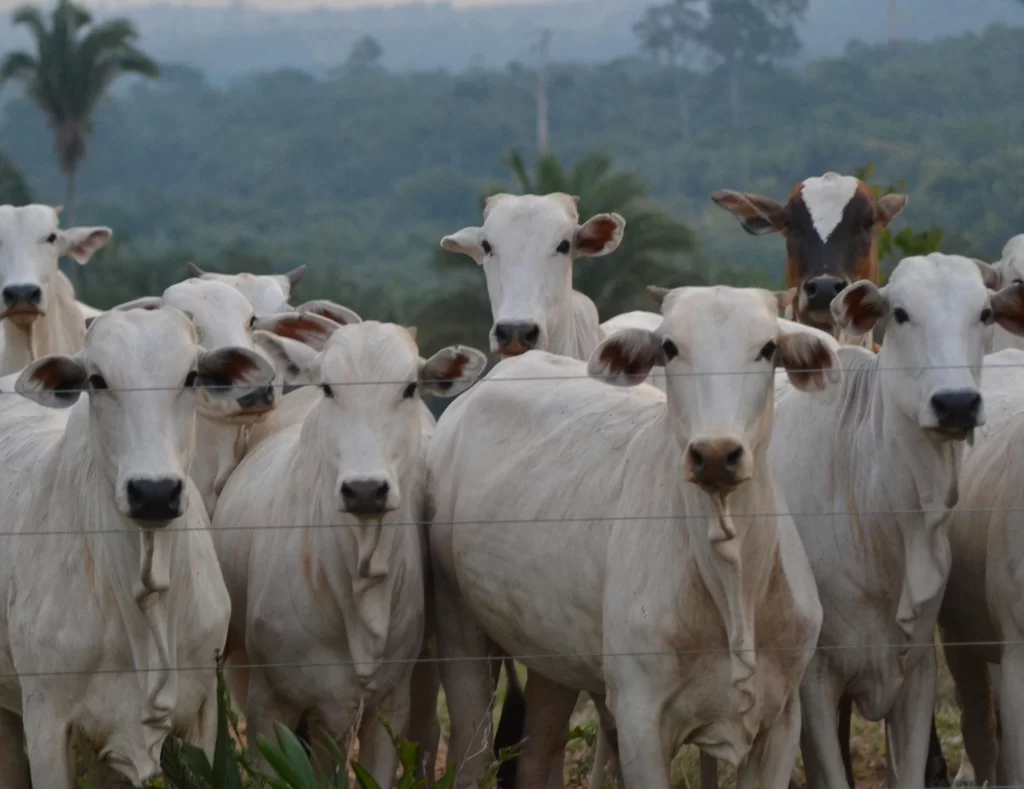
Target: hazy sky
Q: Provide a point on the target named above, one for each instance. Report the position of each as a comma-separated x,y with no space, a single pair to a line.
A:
283,5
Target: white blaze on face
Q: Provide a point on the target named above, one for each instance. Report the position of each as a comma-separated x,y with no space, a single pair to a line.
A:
826,198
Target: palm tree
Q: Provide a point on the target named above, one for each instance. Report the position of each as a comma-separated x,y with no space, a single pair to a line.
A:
74,64
650,252
13,188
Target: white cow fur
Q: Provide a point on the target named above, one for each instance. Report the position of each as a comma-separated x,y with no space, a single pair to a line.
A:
557,459
31,243
341,609
113,609
1008,269
873,481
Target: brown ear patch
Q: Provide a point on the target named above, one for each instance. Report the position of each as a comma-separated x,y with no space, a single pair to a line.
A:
60,375
298,328
595,235
1008,308
453,367
758,215
863,307
229,368
806,360
618,362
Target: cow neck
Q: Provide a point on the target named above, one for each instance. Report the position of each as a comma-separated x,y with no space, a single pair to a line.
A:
220,447
60,330
733,541
142,571
354,561
565,337
911,474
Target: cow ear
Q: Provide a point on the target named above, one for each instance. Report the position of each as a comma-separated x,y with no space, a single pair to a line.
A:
600,235
1008,308
294,360
81,243
859,307
53,381
758,215
468,241
990,275
658,293
810,360
343,316
305,327
144,303
783,298
889,207
451,370
193,270
627,357
295,276
233,372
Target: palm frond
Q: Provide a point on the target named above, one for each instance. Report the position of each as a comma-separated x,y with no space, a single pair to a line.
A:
513,161
550,175
31,17
18,66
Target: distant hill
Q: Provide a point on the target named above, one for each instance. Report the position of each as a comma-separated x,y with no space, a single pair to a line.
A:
231,41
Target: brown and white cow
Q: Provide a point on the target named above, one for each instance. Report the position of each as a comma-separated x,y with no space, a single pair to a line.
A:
831,225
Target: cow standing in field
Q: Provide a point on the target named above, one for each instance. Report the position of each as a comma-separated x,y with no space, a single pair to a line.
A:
686,607
38,312
109,580
333,604
874,477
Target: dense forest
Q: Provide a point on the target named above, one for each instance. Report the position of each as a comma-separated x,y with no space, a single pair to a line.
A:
360,174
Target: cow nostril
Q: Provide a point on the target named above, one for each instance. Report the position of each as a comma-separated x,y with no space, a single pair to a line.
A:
382,490
346,490
839,287
532,335
734,457
501,333
810,288
975,403
696,459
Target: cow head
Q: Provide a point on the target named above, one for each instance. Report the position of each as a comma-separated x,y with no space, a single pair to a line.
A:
267,293
144,371
31,243
367,427
719,347
935,311
526,246
831,226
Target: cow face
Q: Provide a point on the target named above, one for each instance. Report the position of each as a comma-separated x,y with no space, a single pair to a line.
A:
831,226
143,370
31,243
719,347
224,318
935,311
367,427
526,247
267,293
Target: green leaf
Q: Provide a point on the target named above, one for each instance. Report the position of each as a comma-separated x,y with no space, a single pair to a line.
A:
448,779
293,775
363,777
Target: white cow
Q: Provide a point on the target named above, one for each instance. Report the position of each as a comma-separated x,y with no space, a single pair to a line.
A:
110,581
1003,273
268,293
873,476
335,605
686,606
223,317
38,311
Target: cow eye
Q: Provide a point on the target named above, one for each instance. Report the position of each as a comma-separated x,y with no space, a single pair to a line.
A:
328,392
252,321
669,347
52,238
409,391
1018,281
191,378
986,315
900,315
563,248
487,247
97,382
768,352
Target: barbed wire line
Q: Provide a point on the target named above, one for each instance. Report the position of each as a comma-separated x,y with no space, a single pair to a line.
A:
325,664
599,519
536,378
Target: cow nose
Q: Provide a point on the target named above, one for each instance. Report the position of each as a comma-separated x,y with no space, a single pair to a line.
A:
515,337
155,499
957,409
22,296
716,466
365,497
258,398
820,291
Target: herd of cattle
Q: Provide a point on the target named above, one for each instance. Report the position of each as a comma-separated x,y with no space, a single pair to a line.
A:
725,527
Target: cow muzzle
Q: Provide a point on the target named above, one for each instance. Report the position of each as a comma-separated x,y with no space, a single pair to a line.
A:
258,402
22,304
957,412
717,466
817,294
155,501
512,338
368,497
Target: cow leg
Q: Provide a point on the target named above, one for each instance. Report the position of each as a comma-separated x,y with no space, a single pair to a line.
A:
466,678
376,750
264,708
642,753
511,722
778,751
1011,712
424,729
47,737
819,743
936,771
606,748
13,761
977,717
548,709
844,734
908,723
